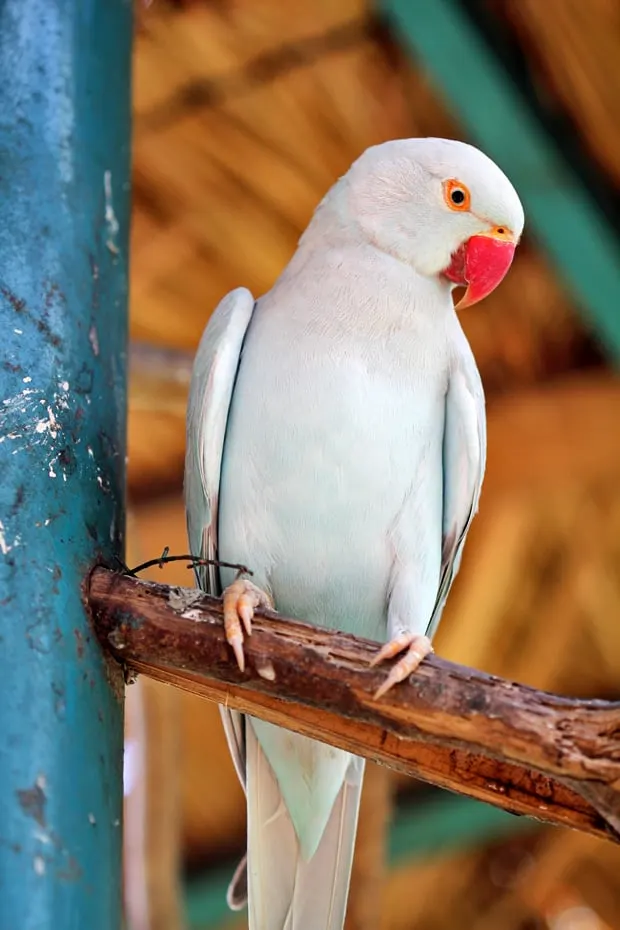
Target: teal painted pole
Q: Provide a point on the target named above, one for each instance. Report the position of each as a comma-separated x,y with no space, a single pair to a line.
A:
558,209
64,217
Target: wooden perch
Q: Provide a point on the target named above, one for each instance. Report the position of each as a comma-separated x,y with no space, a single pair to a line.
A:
526,751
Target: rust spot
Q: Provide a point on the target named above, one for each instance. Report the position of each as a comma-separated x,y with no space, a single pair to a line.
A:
51,518
56,576
18,501
52,294
38,635
79,642
60,704
84,380
32,802
72,873
91,529
20,307
67,460
108,445
17,304
52,337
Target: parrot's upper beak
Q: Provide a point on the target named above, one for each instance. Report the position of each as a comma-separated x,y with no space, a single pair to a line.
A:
481,263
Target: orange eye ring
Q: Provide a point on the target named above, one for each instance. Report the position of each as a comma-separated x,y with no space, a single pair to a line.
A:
456,195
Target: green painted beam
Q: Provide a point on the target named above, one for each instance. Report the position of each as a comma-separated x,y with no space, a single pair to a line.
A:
445,824
559,210
65,69
421,829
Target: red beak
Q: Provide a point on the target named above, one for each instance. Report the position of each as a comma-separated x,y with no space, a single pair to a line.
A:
480,264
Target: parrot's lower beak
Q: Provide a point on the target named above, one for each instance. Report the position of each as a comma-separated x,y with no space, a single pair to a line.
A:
481,263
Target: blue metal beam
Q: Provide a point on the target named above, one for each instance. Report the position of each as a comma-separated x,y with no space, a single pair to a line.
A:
64,195
560,212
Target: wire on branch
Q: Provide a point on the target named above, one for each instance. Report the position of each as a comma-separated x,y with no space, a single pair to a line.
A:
526,751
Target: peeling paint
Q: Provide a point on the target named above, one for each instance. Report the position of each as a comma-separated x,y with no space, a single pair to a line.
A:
110,216
94,340
33,800
4,548
60,703
34,429
79,643
38,635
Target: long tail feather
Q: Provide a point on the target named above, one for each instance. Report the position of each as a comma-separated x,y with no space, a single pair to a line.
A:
286,892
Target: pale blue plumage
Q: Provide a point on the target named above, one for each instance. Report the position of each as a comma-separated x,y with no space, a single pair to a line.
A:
336,446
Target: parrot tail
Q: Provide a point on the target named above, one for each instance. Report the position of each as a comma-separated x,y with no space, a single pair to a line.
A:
285,891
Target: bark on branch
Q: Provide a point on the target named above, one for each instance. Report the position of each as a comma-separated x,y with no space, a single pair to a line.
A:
527,751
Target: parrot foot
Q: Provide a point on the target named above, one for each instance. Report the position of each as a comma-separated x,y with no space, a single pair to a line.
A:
240,600
418,647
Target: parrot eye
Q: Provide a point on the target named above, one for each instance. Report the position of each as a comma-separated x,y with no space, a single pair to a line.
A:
456,195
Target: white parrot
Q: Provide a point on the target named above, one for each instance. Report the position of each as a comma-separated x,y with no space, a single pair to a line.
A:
336,446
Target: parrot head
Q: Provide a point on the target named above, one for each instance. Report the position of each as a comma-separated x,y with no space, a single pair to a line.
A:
440,205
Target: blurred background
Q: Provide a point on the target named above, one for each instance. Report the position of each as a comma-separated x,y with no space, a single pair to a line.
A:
245,112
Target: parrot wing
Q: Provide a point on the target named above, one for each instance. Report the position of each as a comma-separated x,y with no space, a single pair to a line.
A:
289,890
210,394
464,457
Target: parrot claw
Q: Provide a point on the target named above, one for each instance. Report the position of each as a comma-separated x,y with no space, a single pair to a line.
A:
240,600
418,647
235,641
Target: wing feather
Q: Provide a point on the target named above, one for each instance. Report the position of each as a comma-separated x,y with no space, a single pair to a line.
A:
464,458
211,389
213,379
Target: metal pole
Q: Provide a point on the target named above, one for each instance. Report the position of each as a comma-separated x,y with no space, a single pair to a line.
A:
64,215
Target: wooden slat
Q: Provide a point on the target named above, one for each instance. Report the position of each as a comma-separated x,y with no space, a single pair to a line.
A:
573,48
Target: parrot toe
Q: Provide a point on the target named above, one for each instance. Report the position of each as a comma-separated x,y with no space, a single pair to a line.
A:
241,598
418,647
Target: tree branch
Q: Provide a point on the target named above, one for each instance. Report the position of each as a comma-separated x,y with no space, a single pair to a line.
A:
527,751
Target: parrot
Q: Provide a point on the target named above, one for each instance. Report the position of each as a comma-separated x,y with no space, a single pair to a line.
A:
336,445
